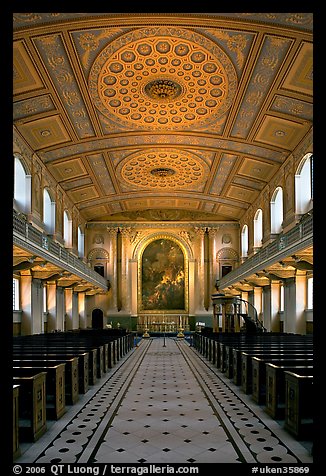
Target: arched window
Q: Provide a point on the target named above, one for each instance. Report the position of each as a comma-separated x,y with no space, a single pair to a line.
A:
244,241
15,289
22,187
281,298
80,242
304,185
310,284
67,229
48,212
277,211
258,228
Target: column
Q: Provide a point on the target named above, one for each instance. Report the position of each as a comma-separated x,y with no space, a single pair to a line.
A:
258,293
191,287
206,271
26,304
300,301
51,306
75,316
32,305
244,305
81,311
68,308
200,270
125,281
37,307
212,265
60,309
294,304
274,306
133,264
112,268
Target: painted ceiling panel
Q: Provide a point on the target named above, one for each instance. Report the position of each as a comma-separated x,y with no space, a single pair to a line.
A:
141,113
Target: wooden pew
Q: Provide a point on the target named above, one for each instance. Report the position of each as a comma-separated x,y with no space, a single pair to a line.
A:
298,404
71,373
246,362
32,406
228,343
64,350
235,361
259,373
15,430
83,362
93,338
55,387
72,348
275,387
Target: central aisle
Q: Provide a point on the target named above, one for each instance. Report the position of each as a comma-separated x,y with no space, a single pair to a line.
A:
164,404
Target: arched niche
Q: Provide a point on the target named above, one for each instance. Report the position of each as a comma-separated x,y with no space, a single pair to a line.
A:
227,259
97,318
98,259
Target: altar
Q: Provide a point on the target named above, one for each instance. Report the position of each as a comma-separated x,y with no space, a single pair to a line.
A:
162,323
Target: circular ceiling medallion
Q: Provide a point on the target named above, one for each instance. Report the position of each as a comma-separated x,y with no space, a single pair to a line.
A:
162,78
164,169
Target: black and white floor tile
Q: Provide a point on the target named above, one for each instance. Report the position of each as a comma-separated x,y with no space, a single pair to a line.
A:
164,403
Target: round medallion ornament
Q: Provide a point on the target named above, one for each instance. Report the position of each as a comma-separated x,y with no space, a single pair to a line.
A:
167,169
162,78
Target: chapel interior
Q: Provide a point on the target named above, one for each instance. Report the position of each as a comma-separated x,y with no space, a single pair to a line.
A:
163,204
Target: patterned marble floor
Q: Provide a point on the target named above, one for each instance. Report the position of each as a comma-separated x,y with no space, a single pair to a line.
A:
164,403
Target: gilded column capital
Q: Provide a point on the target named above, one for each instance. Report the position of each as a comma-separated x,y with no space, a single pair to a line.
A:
200,231
112,231
212,232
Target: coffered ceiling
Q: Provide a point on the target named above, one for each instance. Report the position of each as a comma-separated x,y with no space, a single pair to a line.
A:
158,115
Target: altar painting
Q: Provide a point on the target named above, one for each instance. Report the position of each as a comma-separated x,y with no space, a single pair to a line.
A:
163,276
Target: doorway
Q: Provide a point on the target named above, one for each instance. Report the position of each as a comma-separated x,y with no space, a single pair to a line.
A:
97,319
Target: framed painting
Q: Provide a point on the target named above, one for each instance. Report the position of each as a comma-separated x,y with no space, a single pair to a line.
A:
162,273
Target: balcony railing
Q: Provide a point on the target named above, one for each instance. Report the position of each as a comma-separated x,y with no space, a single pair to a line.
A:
287,243
43,245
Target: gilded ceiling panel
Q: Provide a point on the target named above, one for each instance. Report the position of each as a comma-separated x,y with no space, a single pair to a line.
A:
52,50
101,172
163,78
147,140
95,212
44,132
240,193
227,211
300,76
83,194
271,56
68,169
297,20
70,184
237,44
163,169
222,173
258,170
177,113
90,41
136,204
280,132
25,75
256,185
293,107
208,206
33,106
